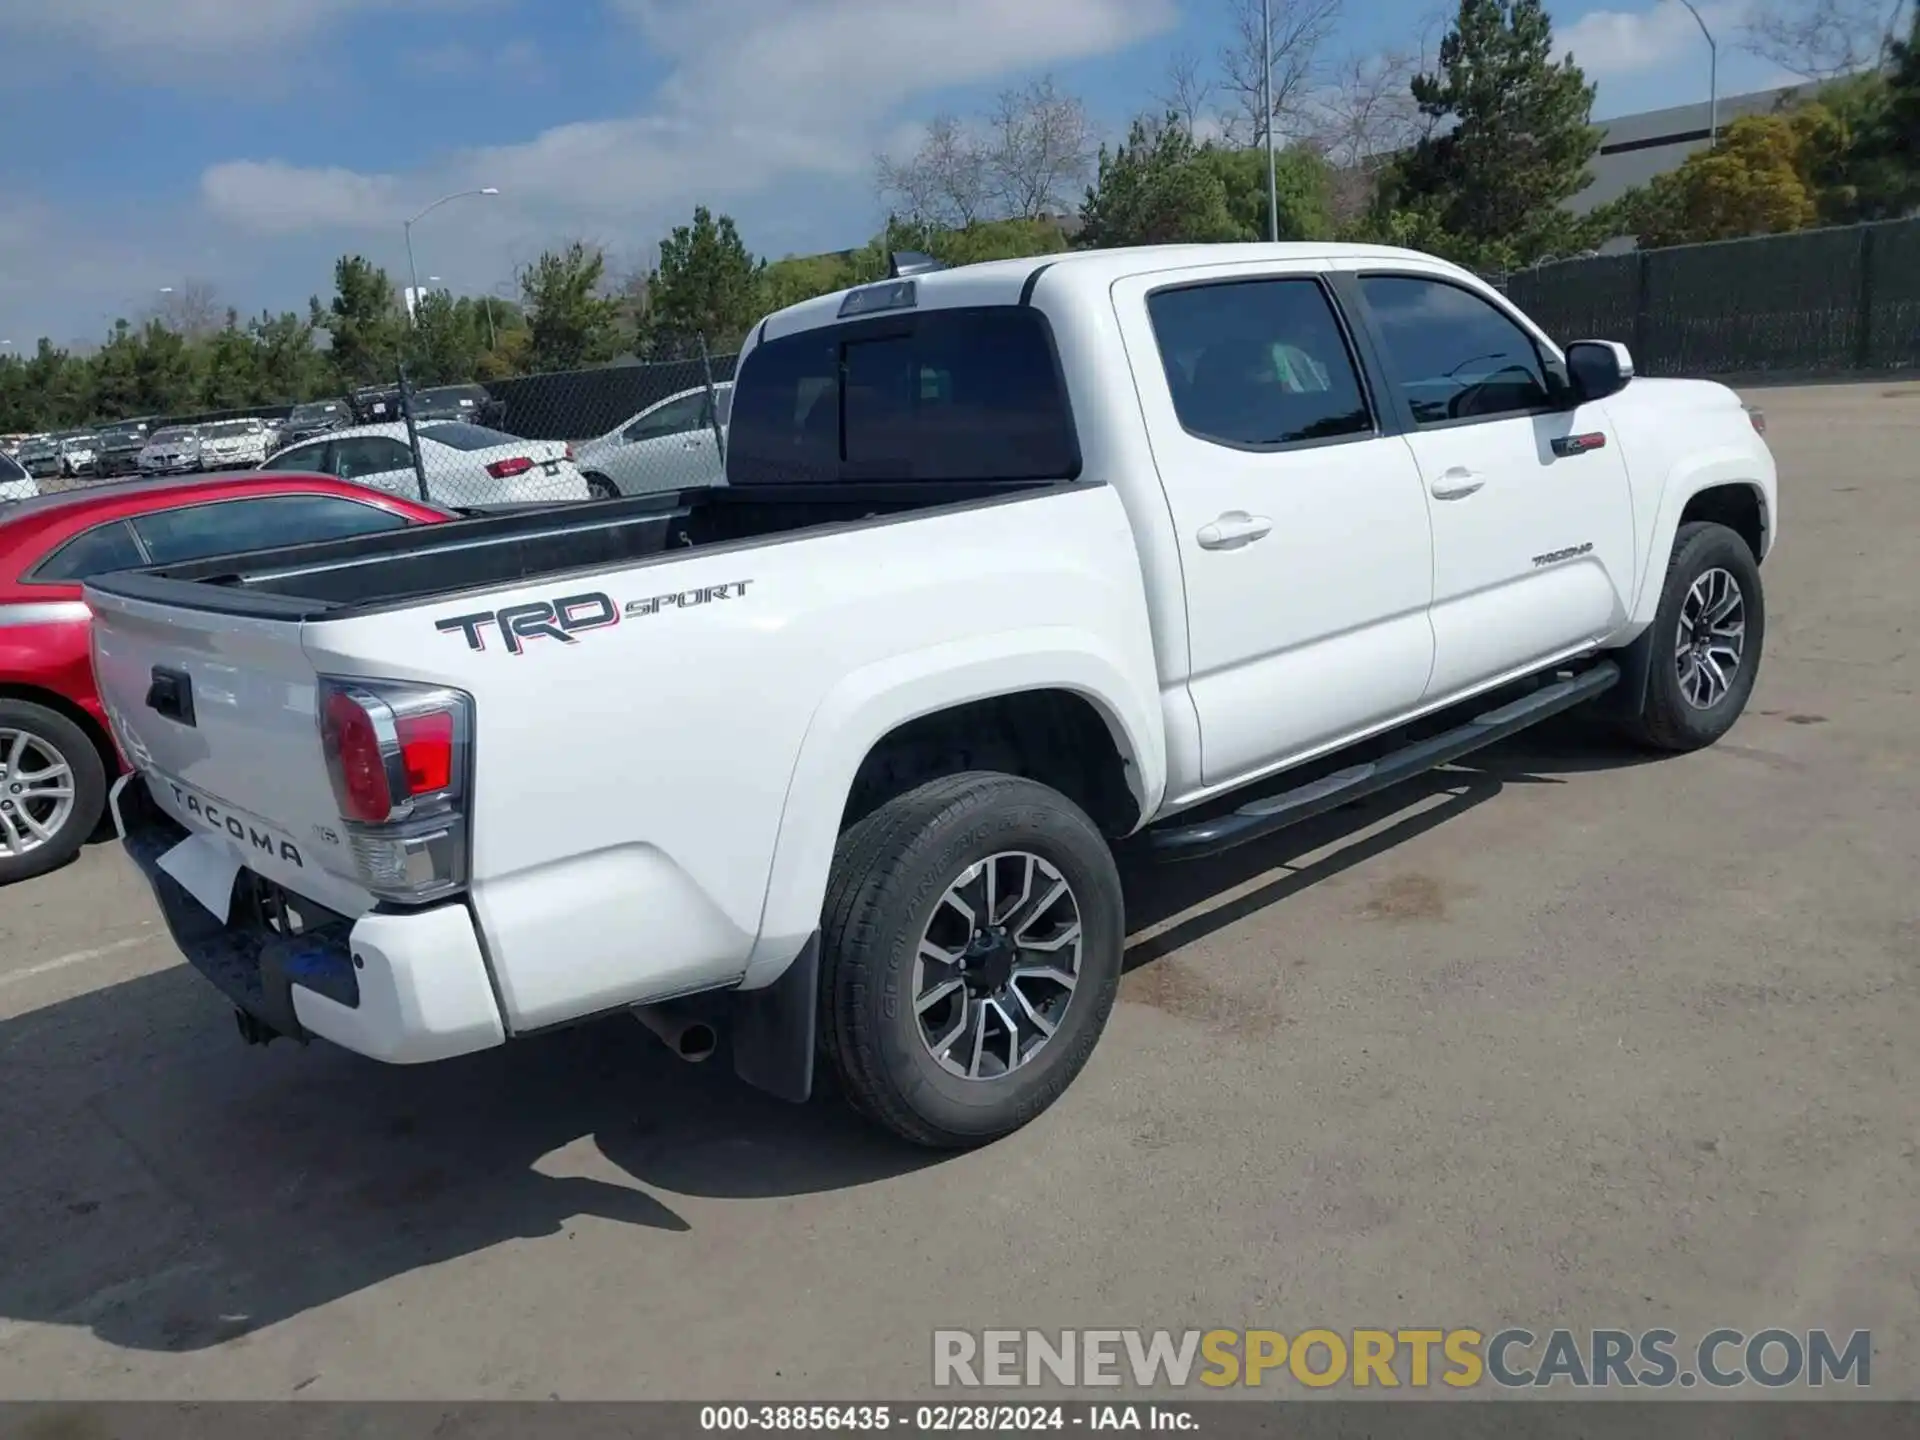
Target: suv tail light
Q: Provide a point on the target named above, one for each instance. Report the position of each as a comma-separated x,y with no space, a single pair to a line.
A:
507,469
1758,418
397,755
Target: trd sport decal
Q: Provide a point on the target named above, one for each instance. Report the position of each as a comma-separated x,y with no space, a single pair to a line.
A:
565,619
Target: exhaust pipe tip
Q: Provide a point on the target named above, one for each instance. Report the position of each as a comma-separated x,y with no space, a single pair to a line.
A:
692,1040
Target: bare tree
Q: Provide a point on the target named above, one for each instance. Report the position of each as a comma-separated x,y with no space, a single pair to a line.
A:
1186,91
1361,117
1040,150
1822,39
192,308
1300,29
948,182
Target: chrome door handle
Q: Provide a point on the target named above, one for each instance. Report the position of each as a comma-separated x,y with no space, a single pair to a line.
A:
1457,483
1232,530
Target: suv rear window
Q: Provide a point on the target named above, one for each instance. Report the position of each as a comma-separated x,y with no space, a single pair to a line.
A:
969,394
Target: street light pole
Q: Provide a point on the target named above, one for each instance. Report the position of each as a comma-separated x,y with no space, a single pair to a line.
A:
1713,77
406,228
1266,103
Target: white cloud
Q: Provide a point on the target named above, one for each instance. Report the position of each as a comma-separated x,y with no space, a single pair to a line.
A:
1614,43
787,88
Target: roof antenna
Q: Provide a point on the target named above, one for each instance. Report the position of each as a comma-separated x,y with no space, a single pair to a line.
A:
903,263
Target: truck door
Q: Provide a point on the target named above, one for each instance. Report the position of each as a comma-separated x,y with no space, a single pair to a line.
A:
1305,545
1533,546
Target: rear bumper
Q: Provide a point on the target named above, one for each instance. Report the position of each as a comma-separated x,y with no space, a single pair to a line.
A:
404,988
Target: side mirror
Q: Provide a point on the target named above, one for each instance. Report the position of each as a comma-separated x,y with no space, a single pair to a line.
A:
1598,368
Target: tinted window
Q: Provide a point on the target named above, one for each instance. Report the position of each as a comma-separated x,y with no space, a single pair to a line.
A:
1258,363
676,417
310,458
303,413
467,437
10,469
96,552
723,405
232,526
938,395
1454,354
362,455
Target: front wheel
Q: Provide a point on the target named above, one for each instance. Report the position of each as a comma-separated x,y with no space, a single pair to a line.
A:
970,956
601,488
1706,637
53,789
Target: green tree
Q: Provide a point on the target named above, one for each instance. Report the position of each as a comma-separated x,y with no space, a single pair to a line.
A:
1512,136
448,338
230,368
707,284
366,322
571,323
1888,150
1303,184
166,372
1756,181
1157,187
290,366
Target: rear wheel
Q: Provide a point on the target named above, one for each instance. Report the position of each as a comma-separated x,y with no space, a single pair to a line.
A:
53,789
1707,636
970,956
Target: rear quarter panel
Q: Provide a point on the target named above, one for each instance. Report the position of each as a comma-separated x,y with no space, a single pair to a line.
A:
656,802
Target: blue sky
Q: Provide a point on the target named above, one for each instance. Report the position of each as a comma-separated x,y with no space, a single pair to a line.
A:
246,143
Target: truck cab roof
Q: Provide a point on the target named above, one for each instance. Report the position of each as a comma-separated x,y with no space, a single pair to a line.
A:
1010,282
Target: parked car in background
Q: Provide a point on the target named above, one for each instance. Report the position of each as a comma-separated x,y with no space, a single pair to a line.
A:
40,457
79,453
171,452
235,445
471,403
374,404
15,483
118,447
466,465
316,418
671,445
54,738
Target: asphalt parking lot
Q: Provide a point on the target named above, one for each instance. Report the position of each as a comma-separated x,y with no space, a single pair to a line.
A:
1562,1037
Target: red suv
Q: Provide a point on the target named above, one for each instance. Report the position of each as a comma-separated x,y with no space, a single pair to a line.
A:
56,754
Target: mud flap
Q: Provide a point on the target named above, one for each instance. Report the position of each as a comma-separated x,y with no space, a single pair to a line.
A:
773,1029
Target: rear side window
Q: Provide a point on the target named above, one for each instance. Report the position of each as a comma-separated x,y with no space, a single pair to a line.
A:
1256,364
231,526
468,437
97,551
10,468
969,394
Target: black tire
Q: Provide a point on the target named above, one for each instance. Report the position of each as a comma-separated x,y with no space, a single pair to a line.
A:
599,487
57,733
890,873
1669,720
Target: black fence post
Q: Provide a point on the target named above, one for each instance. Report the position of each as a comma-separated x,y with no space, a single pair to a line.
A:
713,407
1863,318
1642,307
413,435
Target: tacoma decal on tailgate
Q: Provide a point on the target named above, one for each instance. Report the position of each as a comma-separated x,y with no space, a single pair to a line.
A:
565,619
241,830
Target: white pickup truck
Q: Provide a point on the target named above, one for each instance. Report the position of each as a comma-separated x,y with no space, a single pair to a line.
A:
1015,560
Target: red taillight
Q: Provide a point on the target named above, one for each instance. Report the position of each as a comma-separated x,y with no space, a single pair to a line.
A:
569,453
1759,420
426,751
359,766
507,469
386,751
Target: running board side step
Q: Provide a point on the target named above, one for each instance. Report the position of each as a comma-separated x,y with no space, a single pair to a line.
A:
1276,812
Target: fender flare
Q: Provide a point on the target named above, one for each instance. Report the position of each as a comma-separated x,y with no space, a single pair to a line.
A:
1719,468
871,702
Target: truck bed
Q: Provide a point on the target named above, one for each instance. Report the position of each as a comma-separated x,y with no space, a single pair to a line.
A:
366,574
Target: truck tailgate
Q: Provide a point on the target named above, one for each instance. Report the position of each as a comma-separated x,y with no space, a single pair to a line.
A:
218,714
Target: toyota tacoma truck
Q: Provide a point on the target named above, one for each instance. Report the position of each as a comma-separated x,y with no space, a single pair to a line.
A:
1015,561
